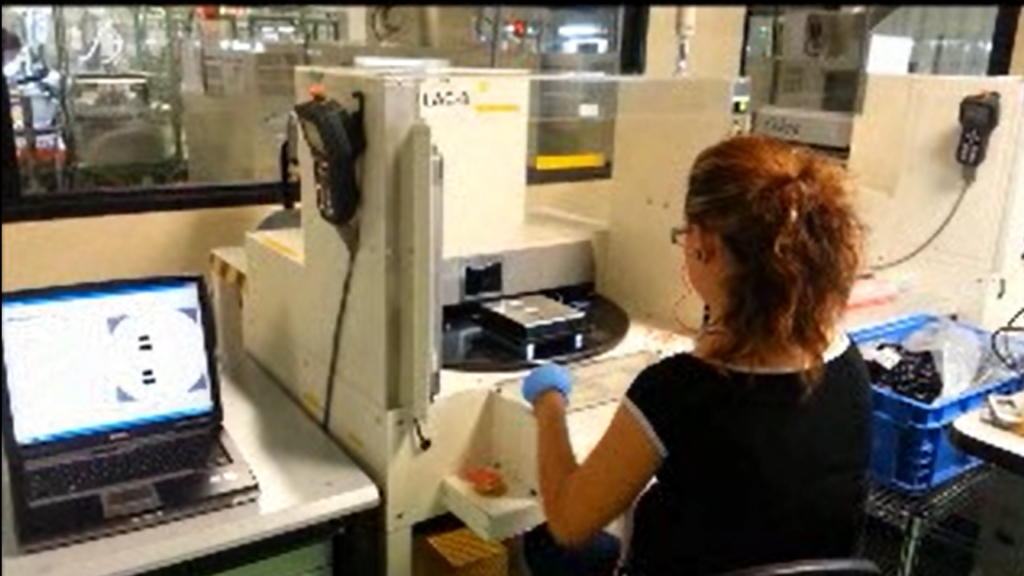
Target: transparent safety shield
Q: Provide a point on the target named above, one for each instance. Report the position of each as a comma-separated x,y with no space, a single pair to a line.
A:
615,152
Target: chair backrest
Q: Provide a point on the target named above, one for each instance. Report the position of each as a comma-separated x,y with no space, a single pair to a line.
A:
829,567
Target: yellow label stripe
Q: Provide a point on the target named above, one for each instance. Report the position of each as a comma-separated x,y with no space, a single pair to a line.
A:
279,247
569,161
490,108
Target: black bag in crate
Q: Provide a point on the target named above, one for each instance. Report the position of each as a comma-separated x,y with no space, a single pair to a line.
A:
910,374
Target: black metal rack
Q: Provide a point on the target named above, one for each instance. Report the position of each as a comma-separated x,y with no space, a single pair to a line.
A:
918,516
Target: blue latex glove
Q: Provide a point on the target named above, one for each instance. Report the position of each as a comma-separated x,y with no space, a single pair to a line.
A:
547,377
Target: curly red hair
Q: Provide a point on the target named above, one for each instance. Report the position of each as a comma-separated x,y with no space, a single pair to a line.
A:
785,217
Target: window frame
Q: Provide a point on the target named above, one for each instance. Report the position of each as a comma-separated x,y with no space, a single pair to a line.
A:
1003,37
138,200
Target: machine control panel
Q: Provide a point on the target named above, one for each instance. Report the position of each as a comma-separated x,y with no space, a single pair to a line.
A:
336,141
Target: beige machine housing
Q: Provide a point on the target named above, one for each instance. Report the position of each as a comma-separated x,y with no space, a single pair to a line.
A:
902,156
900,150
444,187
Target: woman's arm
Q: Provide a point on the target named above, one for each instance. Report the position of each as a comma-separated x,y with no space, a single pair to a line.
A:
581,499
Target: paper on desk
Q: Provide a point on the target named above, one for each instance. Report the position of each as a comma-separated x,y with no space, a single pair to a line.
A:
1006,412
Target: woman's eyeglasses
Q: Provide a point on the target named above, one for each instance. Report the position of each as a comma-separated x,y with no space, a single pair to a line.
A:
678,234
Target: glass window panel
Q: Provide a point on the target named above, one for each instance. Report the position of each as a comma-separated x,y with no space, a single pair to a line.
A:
118,97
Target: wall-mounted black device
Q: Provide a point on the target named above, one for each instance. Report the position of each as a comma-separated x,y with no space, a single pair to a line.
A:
979,117
337,139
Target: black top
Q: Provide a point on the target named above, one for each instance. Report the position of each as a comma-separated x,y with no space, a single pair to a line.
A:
753,472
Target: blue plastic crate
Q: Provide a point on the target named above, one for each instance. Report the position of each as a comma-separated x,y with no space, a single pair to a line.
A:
911,449
915,458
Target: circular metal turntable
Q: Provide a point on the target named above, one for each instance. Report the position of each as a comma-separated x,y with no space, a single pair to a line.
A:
469,347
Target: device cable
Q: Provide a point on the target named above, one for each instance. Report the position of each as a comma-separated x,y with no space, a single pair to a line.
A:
350,236
968,179
285,161
1006,357
350,139
424,442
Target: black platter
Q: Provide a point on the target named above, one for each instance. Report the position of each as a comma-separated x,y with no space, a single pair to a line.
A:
467,346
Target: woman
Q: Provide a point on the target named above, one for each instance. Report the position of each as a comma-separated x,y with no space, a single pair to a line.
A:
757,441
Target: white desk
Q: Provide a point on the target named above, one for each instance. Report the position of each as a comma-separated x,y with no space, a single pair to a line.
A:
305,480
1000,548
976,436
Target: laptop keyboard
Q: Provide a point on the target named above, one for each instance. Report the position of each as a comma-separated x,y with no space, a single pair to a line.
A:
146,461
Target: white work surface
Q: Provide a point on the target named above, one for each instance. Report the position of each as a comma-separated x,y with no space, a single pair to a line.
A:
305,479
975,435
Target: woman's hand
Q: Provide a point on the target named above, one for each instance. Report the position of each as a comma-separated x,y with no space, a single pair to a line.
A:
547,378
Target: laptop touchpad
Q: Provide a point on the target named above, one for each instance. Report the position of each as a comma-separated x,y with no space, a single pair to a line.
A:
130,500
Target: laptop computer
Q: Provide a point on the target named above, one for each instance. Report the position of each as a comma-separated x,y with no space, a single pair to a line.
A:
112,416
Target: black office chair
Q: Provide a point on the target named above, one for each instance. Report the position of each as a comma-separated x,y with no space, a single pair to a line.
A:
837,567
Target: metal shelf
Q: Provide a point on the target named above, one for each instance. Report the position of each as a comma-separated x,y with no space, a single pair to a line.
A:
919,516
933,506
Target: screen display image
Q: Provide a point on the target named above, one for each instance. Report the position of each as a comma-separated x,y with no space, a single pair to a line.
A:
976,115
105,360
313,138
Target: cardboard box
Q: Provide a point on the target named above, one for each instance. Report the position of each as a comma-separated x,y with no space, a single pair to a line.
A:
460,552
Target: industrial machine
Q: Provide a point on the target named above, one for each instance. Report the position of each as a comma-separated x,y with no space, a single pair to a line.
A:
123,132
811,86
238,96
951,234
931,235
413,291
427,276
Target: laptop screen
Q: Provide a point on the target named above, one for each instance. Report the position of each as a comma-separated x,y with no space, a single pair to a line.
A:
105,358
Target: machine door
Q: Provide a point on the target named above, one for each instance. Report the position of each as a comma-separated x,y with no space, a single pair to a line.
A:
420,237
